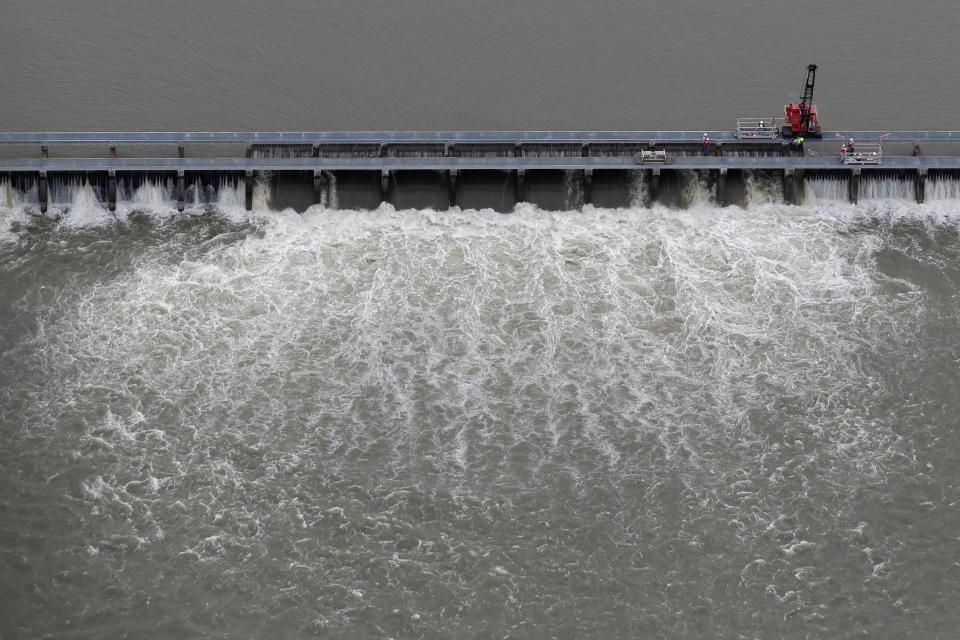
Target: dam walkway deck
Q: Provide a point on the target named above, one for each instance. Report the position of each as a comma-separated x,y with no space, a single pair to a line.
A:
682,163
320,137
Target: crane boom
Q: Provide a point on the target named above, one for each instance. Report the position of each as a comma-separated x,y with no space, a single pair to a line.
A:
807,100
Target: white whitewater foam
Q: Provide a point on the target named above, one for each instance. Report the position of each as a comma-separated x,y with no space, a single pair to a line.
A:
826,190
343,376
762,188
262,195
85,210
886,188
151,197
572,189
697,189
639,189
533,295
331,200
12,197
15,208
231,200
940,188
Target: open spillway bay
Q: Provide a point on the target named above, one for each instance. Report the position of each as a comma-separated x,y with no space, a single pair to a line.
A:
631,423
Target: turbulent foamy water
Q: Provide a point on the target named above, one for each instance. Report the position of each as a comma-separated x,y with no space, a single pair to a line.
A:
599,424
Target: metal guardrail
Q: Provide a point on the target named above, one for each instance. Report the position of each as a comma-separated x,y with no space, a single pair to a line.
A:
326,137
453,137
862,153
756,129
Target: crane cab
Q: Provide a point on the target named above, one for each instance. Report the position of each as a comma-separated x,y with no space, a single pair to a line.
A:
801,117
795,125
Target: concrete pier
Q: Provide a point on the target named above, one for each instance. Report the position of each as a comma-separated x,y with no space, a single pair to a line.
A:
451,188
43,193
721,196
920,186
854,186
793,186
181,191
112,191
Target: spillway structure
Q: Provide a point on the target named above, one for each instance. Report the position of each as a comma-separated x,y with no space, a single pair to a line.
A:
476,170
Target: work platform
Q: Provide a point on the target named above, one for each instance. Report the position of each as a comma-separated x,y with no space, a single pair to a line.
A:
438,169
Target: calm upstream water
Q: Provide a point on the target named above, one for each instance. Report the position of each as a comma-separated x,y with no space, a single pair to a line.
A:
642,423
317,65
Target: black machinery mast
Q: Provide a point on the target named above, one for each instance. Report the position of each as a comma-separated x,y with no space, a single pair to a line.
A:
807,99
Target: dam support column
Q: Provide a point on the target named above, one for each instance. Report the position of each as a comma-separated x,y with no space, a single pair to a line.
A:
654,187
793,186
112,190
248,189
181,195
586,179
112,181
722,188
920,185
518,186
452,176
854,185
42,191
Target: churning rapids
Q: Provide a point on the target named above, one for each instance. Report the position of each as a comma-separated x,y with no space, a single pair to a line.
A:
638,423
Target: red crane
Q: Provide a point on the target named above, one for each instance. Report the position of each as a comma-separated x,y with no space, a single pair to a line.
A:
801,117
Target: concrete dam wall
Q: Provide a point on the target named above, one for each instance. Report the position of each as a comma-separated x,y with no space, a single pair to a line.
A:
426,170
